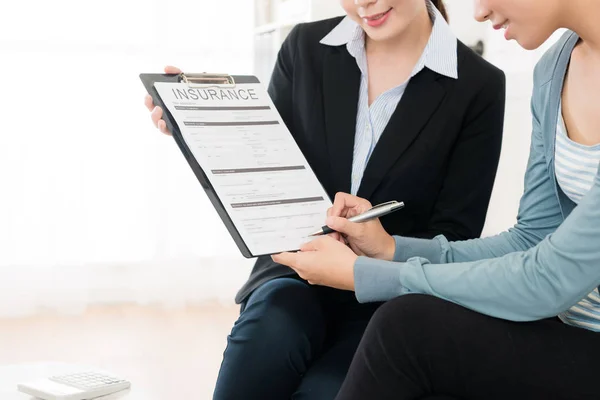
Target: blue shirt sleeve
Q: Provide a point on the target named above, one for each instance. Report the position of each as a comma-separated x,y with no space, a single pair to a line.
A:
521,286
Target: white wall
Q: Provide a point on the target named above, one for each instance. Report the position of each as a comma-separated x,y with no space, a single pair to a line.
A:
460,14
96,205
322,9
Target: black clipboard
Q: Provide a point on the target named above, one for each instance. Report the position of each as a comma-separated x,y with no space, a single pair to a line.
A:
203,80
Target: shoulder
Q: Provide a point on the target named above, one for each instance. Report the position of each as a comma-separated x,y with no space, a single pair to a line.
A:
479,81
546,67
309,34
474,69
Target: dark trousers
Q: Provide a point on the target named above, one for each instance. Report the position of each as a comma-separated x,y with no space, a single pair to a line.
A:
292,341
418,346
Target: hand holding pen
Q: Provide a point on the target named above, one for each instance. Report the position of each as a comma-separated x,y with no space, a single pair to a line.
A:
358,221
370,214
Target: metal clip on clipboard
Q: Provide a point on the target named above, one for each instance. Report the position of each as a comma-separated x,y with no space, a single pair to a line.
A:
207,80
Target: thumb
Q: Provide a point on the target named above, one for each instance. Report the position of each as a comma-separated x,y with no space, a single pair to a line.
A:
342,225
169,69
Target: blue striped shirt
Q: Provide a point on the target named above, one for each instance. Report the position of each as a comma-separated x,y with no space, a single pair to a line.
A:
576,166
439,56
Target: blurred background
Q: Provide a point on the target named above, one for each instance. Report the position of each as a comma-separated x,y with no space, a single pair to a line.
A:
108,245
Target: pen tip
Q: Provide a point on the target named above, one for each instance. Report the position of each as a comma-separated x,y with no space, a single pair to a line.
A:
315,233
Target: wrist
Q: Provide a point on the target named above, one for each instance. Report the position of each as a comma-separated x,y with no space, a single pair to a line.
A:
389,248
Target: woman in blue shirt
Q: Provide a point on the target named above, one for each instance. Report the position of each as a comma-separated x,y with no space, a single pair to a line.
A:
507,317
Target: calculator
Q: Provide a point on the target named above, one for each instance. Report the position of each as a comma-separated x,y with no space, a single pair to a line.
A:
77,386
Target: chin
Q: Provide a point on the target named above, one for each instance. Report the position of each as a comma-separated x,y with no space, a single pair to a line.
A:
380,36
528,44
533,42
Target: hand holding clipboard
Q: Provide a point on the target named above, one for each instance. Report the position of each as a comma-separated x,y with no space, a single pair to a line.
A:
156,112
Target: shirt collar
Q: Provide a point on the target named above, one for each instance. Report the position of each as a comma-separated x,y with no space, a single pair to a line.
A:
439,54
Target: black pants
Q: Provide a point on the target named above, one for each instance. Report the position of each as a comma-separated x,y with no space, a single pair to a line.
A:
419,346
292,340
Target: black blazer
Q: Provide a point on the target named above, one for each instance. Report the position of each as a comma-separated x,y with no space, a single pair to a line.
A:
439,152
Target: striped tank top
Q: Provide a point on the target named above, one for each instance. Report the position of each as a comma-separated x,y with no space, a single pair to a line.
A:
576,166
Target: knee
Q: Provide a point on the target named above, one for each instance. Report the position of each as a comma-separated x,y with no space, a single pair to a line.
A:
286,294
286,310
409,306
408,315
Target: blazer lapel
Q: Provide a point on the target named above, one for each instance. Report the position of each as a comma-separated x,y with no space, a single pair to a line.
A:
422,97
341,85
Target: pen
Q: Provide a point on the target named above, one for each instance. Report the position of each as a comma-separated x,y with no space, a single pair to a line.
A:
374,212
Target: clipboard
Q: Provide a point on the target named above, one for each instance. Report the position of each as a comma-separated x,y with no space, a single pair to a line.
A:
204,80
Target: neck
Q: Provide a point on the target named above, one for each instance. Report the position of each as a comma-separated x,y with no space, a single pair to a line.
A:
411,41
581,17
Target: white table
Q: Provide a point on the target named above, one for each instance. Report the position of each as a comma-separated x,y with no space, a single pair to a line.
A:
11,375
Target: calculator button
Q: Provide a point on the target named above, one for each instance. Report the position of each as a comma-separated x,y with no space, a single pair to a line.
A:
86,380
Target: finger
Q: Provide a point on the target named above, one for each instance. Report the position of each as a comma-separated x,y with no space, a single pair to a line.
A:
156,115
344,226
321,243
162,126
289,259
345,201
336,236
316,244
352,212
149,102
339,204
329,211
169,69
309,246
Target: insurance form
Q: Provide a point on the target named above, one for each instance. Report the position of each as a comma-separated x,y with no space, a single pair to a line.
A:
253,163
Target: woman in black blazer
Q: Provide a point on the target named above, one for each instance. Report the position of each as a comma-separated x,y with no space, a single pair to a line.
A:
386,104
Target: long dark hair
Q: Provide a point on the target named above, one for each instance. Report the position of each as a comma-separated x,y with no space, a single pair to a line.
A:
439,4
